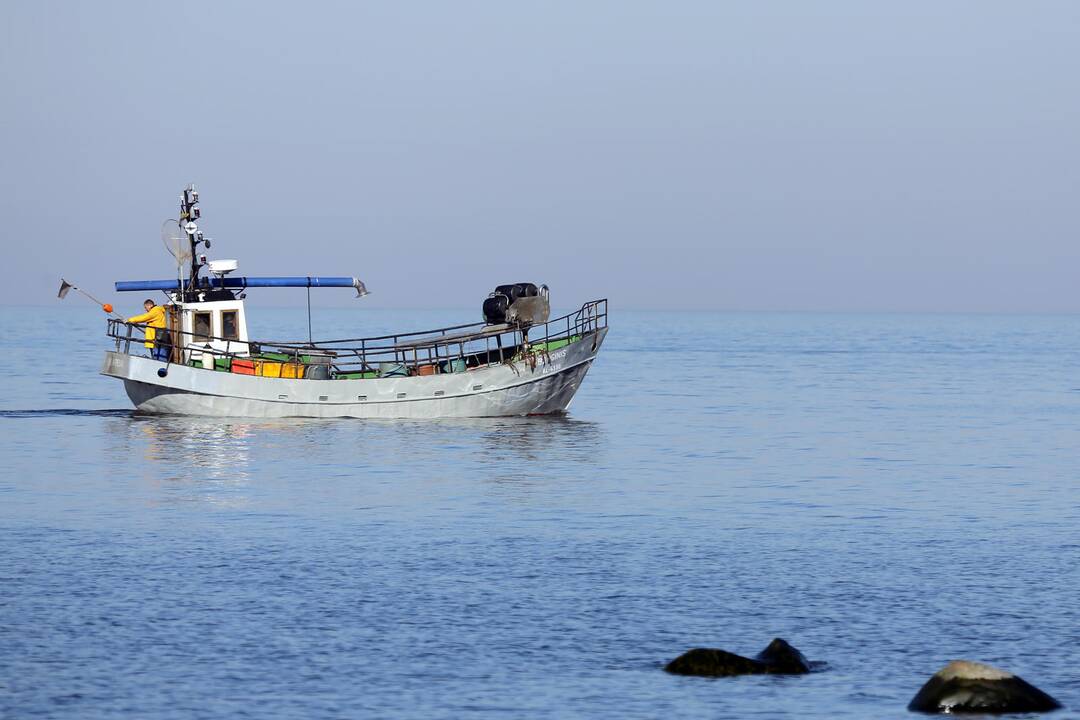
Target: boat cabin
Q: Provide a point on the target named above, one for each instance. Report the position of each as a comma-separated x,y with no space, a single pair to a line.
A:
216,325
209,321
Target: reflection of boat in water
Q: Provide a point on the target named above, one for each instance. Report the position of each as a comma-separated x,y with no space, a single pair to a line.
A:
259,462
517,362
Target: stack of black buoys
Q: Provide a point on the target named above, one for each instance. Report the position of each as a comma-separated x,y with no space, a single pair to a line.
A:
496,304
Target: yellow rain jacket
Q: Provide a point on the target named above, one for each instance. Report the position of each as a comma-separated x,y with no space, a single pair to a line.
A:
155,320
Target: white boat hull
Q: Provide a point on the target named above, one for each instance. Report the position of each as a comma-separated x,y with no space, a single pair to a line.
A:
518,388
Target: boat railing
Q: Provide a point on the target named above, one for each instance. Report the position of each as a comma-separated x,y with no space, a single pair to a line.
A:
450,349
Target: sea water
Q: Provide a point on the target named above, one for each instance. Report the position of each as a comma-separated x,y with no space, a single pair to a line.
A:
886,492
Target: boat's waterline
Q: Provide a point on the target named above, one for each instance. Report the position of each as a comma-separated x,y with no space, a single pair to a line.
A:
522,387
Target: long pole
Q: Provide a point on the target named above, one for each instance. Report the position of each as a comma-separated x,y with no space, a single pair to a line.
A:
309,340
93,299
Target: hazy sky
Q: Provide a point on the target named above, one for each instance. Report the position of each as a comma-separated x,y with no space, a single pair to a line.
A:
758,155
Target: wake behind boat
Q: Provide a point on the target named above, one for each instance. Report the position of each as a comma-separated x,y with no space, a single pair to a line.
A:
516,362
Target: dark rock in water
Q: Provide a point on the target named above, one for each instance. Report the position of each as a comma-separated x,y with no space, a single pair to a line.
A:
783,659
970,687
713,663
778,658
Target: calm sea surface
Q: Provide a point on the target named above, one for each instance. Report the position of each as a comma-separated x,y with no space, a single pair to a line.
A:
885,492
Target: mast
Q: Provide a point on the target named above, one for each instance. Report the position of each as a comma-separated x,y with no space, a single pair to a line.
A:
189,213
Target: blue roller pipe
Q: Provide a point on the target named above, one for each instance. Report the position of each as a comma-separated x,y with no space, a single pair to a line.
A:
233,283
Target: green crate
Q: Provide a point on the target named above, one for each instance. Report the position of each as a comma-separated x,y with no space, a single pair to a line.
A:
555,344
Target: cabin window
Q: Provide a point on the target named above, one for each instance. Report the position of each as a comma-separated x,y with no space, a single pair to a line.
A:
229,329
201,327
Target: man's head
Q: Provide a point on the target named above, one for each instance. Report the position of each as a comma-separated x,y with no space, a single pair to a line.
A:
148,303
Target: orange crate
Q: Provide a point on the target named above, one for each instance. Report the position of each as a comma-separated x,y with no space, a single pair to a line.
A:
427,370
292,370
243,367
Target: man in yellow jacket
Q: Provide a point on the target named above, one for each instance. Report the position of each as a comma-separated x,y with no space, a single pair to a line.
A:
154,318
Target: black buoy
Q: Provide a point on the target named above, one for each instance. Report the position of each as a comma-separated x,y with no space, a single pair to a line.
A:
162,372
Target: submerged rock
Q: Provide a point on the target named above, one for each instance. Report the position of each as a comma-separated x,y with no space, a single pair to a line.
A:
970,687
778,658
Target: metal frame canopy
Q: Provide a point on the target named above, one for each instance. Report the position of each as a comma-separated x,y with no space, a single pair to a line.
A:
238,283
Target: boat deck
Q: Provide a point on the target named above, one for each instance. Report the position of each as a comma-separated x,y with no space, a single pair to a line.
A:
453,349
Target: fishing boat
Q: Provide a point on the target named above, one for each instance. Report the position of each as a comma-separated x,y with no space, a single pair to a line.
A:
517,361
